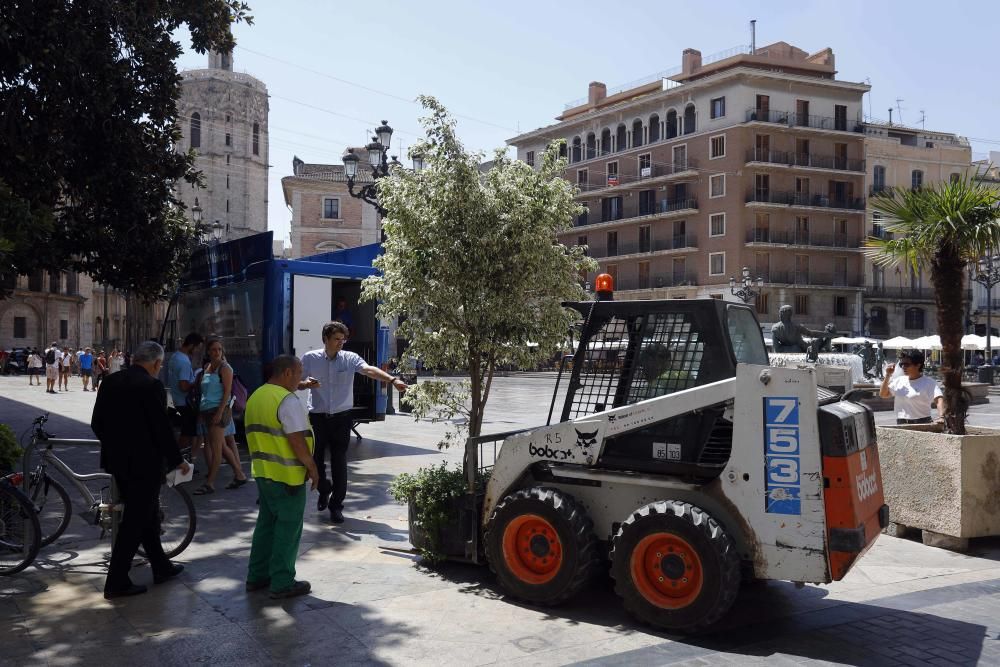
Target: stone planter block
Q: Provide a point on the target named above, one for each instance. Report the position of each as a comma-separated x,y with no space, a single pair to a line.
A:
946,484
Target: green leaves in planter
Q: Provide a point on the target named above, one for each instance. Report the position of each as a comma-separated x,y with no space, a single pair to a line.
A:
10,452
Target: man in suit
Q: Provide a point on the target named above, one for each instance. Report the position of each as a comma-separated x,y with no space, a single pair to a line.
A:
137,448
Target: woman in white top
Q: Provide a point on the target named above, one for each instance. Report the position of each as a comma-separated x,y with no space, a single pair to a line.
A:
35,364
64,367
913,392
117,361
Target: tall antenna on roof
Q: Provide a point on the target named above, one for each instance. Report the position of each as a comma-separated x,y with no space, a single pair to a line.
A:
923,116
899,110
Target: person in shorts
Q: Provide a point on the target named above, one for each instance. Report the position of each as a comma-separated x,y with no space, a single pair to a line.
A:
87,367
35,368
53,359
180,380
65,364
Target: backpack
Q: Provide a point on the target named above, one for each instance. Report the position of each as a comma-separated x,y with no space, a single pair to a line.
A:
239,392
50,356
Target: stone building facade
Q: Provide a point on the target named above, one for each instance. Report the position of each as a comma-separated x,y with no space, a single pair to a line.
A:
223,117
743,159
47,307
325,216
899,301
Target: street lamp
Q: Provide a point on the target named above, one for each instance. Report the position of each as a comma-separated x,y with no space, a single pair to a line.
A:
745,293
217,231
988,274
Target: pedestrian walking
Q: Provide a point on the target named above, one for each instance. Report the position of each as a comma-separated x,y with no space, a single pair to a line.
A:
216,414
87,368
65,365
137,446
329,375
53,359
36,367
281,448
116,362
913,392
100,369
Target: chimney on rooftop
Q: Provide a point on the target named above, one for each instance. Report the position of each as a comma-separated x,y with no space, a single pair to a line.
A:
596,92
690,61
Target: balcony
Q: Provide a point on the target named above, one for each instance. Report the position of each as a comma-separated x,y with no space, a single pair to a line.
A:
792,119
675,242
663,207
655,171
678,279
780,237
803,199
812,278
812,160
900,293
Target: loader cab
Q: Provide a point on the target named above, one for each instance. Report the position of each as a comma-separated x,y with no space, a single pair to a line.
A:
637,350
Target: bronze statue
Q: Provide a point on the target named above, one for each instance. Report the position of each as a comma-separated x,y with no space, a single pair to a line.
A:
791,337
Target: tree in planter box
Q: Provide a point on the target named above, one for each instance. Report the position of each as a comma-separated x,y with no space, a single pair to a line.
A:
944,226
10,452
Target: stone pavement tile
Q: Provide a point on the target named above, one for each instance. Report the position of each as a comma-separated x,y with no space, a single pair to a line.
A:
373,624
225,644
169,606
305,638
434,653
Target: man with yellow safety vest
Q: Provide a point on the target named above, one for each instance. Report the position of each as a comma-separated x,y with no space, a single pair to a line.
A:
281,454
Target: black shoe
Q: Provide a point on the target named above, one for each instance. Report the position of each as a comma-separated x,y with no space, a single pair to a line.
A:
167,575
324,500
336,516
257,585
296,589
133,589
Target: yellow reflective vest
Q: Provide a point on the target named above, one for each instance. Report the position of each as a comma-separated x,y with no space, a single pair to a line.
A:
271,455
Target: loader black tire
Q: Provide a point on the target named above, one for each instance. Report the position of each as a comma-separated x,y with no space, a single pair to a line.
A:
541,545
675,567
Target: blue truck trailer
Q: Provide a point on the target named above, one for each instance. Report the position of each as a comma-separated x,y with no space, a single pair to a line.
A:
262,306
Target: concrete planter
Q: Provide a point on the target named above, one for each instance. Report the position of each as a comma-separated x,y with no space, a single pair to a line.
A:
946,485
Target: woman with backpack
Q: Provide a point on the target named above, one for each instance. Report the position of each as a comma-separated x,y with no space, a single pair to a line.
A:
215,409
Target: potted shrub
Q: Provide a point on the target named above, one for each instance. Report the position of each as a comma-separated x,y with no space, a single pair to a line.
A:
10,452
940,479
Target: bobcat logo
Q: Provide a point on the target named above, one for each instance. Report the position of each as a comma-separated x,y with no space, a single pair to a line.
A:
585,441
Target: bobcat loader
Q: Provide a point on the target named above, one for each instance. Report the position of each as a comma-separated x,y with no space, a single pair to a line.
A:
682,458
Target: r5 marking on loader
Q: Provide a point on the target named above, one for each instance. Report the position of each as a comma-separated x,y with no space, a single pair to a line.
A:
687,461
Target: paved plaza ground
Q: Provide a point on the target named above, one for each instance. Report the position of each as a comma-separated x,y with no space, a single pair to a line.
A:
904,603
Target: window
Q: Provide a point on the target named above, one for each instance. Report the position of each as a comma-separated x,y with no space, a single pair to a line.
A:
840,117
605,141
611,209
227,159
718,147
878,178
762,228
612,244
637,134
20,327
228,118
64,329
716,263
689,119
582,177
717,185
643,275
644,239
802,269
671,124
621,138
575,155
801,304
256,138
761,304
717,224
227,181
840,306
331,208
591,146
582,242
718,107
914,318
612,270
612,174
955,178
529,157
562,149
802,113
196,130
916,179
654,128
762,109
229,139
647,202
645,165
227,206
680,154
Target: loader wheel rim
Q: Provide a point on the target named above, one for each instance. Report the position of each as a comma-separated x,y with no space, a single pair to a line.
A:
532,549
667,570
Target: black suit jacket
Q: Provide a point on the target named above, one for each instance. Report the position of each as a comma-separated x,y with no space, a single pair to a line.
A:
130,420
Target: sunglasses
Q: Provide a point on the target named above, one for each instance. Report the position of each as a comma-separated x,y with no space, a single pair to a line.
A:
906,364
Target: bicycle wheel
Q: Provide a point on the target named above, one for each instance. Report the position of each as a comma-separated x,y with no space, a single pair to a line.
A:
177,520
52,504
19,531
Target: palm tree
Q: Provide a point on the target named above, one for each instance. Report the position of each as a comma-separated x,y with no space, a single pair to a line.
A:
944,226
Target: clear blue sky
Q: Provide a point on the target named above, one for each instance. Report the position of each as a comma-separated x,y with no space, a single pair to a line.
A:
504,67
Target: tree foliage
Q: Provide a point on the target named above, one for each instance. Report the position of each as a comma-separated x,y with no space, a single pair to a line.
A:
88,92
945,226
472,260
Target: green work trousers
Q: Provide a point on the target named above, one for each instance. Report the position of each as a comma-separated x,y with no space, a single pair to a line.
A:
277,533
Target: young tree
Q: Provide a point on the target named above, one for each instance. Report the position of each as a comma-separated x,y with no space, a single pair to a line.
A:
472,260
88,92
944,226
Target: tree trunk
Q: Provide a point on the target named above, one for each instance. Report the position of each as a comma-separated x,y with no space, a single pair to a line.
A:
476,410
947,273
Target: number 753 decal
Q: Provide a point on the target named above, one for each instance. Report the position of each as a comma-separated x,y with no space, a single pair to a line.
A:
781,452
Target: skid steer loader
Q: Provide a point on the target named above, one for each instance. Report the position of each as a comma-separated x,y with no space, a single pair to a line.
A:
682,458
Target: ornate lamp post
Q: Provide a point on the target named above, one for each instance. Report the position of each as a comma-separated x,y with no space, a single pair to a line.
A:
988,274
745,293
378,151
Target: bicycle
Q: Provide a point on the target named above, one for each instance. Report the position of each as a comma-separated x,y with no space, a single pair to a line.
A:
19,530
53,506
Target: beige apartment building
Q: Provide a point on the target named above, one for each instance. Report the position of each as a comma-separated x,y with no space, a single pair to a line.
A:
899,301
743,159
325,216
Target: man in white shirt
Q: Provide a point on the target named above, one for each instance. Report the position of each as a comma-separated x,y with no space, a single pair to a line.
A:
53,359
913,392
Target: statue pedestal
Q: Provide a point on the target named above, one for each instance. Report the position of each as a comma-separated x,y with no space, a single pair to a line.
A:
851,361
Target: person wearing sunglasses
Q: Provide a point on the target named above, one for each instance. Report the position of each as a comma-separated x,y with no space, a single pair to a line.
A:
913,392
